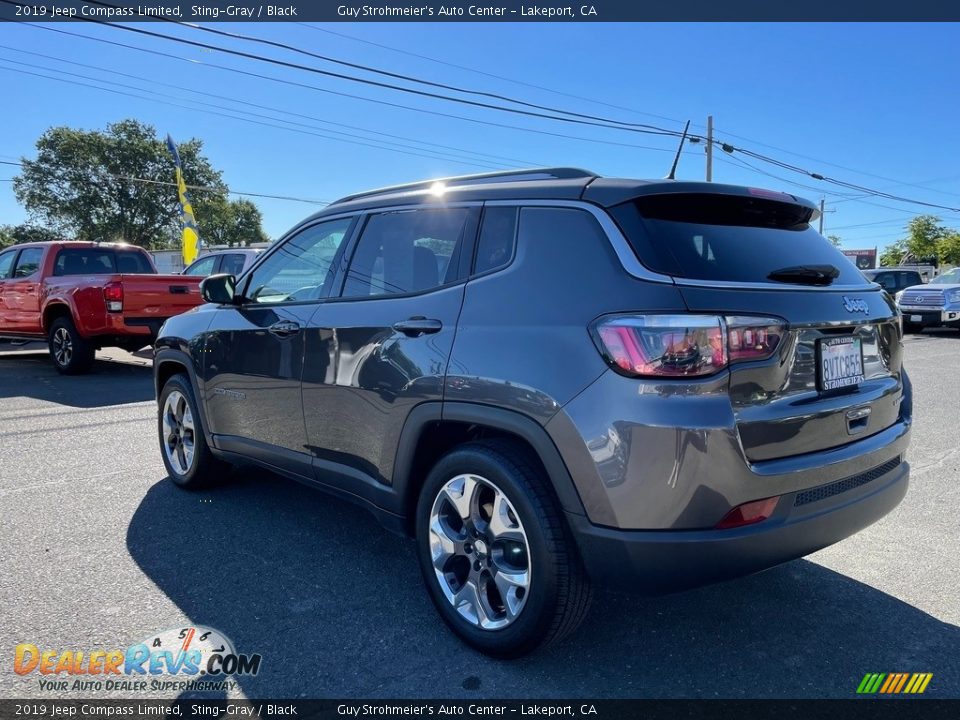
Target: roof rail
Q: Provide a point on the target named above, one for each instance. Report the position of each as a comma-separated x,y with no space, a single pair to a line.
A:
549,173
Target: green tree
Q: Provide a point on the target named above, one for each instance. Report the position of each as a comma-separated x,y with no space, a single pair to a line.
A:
112,184
231,223
948,248
24,233
834,240
923,234
893,254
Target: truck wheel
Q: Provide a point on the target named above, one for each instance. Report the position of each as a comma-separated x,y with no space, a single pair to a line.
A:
183,444
496,555
71,354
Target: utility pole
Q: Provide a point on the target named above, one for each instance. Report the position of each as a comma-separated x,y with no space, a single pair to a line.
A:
709,148
821,215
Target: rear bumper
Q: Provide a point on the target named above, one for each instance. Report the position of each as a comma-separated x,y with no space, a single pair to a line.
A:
663,561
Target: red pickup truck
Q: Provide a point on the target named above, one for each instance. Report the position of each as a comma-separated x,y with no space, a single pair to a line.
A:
82,296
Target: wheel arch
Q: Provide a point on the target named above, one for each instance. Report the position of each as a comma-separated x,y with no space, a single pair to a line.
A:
54,310
432,429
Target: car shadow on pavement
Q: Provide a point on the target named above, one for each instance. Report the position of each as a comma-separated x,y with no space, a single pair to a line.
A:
29,373
335,606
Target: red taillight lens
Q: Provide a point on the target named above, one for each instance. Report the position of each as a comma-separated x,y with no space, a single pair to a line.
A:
113,295
684,345
749,513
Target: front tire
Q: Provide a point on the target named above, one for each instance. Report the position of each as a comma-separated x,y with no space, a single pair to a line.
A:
71,353
183,444
495,553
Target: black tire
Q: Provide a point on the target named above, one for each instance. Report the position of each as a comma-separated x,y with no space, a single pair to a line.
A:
912,328
559,590
71,354
203,468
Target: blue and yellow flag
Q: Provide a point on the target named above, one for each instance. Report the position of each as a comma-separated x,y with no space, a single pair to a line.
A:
191,236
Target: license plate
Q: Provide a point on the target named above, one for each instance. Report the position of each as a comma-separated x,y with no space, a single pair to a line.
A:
916,318
840,362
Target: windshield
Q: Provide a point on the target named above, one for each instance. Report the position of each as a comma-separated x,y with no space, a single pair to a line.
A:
949,277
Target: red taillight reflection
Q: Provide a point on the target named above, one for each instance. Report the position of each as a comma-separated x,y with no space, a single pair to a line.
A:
685,345
749,513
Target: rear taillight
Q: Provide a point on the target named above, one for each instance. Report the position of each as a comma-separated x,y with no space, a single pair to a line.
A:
749,513
684,345
113,296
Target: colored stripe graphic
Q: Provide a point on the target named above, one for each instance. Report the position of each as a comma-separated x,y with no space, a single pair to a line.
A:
894,683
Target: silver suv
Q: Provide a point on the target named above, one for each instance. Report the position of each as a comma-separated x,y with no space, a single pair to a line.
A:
552,380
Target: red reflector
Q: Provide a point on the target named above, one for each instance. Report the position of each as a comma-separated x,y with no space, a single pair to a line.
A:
749,513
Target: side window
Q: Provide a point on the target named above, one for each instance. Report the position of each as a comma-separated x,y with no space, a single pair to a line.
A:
497,236
408,251
301,268
886,281
6,263
232,263
203,266
28,262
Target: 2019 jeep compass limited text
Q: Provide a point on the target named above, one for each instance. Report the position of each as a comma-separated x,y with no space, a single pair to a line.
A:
552,379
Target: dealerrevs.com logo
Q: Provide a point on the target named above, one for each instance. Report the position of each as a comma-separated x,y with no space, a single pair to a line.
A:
182,658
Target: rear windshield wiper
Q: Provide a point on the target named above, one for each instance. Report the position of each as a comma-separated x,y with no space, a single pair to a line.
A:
806,274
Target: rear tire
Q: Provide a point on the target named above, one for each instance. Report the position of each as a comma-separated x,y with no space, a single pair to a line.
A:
183,443
71,354
513,539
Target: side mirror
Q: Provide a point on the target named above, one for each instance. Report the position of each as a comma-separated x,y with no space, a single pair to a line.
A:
219,289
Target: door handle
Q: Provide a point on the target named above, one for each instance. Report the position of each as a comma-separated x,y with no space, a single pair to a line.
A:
416,326
284,328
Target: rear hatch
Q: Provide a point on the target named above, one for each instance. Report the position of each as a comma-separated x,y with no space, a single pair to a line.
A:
833,374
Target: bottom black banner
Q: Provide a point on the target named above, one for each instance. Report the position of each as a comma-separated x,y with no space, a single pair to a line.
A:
881,709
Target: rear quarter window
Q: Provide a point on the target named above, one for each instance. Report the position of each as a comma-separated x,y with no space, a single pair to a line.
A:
728,238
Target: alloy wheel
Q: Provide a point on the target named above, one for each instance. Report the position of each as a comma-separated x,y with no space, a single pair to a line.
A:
62,346
179,435
479,551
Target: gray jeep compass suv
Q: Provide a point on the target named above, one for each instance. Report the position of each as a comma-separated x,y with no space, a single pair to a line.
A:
552,379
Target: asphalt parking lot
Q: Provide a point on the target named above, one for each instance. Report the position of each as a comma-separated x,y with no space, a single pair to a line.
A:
101,550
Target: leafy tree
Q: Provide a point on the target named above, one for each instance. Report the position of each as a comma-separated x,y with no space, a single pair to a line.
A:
893,254
89,185
236,222
24,233
834,240
923,234
948,248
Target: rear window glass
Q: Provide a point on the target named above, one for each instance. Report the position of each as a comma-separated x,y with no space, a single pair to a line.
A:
726,237
101,261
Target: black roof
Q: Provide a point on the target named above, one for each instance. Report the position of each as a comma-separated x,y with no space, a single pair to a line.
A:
560,183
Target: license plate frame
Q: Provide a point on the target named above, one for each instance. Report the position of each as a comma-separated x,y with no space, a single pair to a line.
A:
916,318
839,352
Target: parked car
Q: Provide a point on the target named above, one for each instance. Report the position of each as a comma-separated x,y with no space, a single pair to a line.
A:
936,304
893,280
553,380
82,296
233,262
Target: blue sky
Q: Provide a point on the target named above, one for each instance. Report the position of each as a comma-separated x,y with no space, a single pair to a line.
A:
878,101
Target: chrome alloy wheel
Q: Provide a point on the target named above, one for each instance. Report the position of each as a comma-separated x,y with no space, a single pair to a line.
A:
62,346
179,435
480,552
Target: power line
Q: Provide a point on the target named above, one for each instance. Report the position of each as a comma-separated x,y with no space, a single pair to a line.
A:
199,188
418,152
293,83
226,115
262,107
